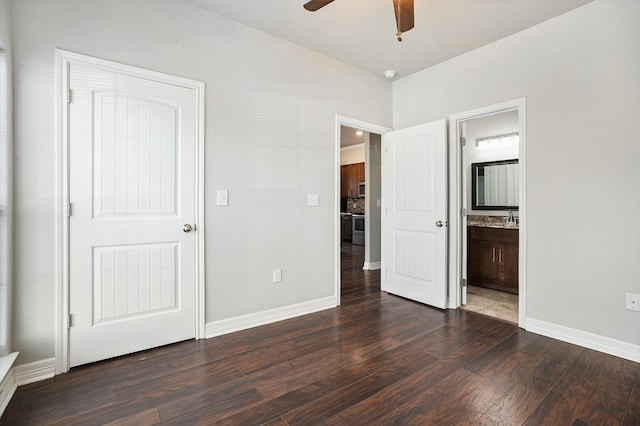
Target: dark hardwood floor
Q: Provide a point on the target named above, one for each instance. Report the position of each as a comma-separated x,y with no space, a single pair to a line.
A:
378,359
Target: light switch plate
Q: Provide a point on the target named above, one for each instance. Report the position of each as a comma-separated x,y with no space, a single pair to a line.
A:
222,197
312,200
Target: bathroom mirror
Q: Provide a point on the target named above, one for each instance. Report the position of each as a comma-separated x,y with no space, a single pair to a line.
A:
494,185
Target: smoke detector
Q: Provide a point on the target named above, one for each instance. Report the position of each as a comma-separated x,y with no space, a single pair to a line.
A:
390,74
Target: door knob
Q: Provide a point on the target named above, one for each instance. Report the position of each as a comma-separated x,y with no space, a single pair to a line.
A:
440,224
187,227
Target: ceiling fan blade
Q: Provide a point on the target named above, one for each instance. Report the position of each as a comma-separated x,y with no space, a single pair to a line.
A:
314,5
404,14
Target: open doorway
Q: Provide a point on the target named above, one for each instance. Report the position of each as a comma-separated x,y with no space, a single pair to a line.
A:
488,239
358,191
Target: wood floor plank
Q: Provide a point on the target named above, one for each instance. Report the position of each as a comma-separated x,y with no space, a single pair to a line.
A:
516,405
378,359
269,410
270,334
206,407
291,375
321,409
447,339
478,393
474,349
562,404
609,395
380,404
192,380
47,407
531,380
143,418
632,415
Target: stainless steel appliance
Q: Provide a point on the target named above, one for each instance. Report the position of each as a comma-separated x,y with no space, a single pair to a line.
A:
357,236
361,189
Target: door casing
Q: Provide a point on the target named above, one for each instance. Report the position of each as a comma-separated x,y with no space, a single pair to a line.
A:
63,59
457,223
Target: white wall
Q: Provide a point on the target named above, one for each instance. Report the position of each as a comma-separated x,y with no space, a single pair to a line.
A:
352,154
257,146
580,74
482,127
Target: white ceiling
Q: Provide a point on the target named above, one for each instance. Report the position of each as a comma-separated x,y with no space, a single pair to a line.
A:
349,137
362,32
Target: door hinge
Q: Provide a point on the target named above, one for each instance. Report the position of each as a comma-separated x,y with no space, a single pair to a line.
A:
69,209
463,140
463,212
463,282
70,324
69,96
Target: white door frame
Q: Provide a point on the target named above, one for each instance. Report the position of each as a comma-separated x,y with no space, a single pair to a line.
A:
368,127
63,59
455,202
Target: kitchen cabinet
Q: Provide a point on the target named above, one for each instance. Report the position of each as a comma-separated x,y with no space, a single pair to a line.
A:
350,177
492,258
346,227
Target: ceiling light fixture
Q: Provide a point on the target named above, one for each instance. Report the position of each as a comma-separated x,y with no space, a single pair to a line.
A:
498,140
390,74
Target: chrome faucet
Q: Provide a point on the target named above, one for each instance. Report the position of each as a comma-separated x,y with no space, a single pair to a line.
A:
510,218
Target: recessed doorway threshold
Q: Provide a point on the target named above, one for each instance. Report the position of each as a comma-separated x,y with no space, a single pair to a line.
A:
493,303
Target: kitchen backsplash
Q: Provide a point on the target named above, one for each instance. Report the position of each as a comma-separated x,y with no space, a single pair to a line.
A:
355,205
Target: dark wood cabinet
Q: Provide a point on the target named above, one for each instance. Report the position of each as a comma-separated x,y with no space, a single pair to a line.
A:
344,181
350,177
492,258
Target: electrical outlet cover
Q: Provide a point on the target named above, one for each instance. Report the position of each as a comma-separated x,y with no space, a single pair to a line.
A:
633,301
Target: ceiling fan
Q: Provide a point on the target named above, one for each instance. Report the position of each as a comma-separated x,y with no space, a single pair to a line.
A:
402,8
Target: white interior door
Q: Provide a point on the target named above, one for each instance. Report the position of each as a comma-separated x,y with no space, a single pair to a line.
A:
132,174
414,190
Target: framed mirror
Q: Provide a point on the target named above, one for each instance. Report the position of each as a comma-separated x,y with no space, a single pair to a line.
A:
494,185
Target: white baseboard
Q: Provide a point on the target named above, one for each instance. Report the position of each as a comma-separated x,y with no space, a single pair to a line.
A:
243,322
370,266
588,340
34,371
8,384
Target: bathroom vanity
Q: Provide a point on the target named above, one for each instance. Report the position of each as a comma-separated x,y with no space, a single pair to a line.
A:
493,256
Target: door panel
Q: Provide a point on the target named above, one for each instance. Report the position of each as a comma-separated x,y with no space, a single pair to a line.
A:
508,271
135,167
132,188
483,258
131,281
414,196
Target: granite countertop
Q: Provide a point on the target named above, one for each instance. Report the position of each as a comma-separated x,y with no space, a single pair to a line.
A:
492,222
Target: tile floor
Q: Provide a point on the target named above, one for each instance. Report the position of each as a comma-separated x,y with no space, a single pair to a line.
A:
493,303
